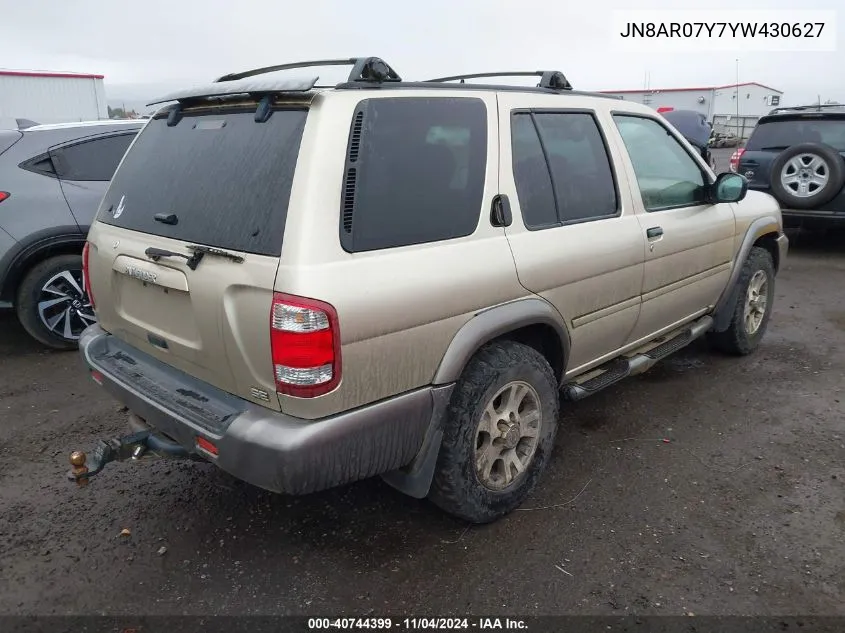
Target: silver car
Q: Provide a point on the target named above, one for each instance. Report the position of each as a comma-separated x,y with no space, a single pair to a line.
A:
52,178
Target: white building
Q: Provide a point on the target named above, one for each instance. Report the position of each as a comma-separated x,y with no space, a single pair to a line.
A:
51,97
735,107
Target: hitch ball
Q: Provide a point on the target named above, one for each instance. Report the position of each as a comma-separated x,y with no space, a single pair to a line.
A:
79,469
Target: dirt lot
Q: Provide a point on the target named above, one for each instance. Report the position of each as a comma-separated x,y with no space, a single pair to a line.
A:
742,512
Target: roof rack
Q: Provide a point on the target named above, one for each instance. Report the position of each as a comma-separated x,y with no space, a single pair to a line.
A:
816,106
551,79
371,69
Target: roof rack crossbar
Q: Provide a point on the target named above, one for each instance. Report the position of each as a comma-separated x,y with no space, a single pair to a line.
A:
363,69
552,79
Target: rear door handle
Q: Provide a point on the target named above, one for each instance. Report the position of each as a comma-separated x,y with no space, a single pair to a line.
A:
655,231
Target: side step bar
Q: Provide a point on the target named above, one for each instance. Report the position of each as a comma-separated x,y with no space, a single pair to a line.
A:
623,367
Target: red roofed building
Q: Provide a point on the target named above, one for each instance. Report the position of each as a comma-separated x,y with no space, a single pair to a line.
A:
51,97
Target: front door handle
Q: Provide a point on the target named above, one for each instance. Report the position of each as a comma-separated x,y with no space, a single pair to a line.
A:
655,231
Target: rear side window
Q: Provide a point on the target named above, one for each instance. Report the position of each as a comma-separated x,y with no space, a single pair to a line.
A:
414,172
562,169
94,159
781,134
226,178
531,173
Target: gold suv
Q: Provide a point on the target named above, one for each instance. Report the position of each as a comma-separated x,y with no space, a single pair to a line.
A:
308,286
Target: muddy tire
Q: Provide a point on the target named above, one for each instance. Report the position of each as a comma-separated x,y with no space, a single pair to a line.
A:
499,433
51,303
753,308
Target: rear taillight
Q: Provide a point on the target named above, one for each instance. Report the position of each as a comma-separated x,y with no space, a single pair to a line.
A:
735,159
305,344
4,195
86,280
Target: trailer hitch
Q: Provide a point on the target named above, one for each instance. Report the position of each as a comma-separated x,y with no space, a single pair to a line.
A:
134,446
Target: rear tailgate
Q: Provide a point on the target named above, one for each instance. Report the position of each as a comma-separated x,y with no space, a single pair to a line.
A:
756,166
217,178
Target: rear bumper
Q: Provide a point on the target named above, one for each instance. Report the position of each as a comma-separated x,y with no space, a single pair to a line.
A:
813,214
268,449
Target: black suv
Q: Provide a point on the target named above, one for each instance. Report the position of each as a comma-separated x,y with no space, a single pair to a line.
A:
796,155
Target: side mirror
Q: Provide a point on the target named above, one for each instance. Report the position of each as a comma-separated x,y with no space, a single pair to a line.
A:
729,187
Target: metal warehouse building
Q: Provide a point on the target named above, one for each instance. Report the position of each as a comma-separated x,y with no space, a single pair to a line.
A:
51,97
735,108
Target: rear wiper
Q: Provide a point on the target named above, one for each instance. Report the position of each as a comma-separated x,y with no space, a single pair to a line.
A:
156,254
192,260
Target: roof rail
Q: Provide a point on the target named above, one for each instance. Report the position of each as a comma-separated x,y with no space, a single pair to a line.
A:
363,69
552,79
816,106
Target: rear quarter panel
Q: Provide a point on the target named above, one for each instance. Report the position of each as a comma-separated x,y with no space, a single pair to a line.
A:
398,308
36,201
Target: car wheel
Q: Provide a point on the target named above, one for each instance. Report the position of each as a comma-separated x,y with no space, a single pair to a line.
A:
52,304
499,433
753,307
806,176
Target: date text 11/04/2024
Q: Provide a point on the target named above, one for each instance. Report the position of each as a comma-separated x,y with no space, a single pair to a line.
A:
432,624
722,29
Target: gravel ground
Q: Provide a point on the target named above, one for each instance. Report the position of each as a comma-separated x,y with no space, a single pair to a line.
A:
741,512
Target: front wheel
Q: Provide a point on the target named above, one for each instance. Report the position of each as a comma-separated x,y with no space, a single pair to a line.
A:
753,308
499,433
52,303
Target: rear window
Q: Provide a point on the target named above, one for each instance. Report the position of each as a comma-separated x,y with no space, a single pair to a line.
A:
226,178
784,133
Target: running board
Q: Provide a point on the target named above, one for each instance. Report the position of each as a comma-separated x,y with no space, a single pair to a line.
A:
640,361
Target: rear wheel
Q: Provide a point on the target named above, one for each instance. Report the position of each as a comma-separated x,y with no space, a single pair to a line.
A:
753,306
52,304
499,433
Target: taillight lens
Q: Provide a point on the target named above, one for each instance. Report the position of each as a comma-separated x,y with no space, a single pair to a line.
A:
735,159
4,195
305,344
85,277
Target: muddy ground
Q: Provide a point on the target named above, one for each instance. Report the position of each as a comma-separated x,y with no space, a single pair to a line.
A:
741,512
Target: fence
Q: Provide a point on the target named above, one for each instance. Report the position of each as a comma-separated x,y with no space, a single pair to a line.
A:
741,126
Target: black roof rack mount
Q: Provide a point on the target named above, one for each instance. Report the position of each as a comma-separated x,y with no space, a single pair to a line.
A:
551,79
370,69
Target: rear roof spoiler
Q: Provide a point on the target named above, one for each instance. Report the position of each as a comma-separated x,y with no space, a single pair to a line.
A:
237,87
364,69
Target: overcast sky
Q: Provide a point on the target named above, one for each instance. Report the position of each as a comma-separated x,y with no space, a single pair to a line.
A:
147,46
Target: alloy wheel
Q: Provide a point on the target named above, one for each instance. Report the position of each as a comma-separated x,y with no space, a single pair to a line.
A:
63,305
507,435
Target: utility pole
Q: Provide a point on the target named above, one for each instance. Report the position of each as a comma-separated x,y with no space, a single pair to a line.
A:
737,98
